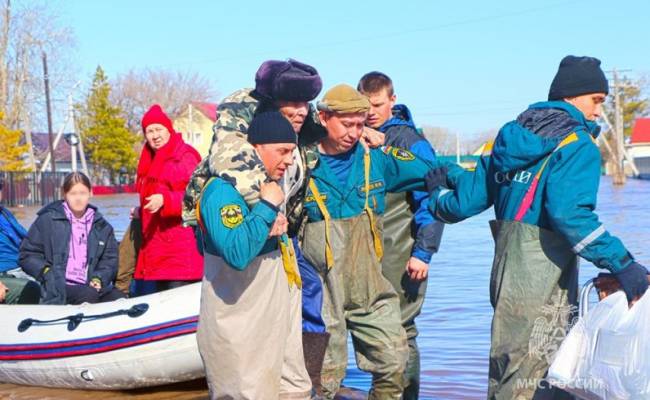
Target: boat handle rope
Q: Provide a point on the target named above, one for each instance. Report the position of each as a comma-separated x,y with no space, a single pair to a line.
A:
76,319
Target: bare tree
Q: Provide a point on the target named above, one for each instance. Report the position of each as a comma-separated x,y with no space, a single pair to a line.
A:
442,139
28,30
472,144
136,90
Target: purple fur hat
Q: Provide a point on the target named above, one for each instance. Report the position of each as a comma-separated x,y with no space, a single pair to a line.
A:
287,80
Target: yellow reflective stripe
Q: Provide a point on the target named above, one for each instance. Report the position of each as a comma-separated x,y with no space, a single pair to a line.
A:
329,255
379,247
289,261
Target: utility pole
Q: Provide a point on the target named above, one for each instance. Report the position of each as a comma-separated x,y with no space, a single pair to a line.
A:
619,146
46,78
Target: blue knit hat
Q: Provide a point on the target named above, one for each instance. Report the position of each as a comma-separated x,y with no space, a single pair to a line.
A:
577,76
271,127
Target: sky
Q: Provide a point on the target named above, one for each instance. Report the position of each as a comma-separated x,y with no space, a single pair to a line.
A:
469,66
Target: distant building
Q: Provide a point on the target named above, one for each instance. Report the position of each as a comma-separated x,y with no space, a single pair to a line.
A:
62,153
195,123
639,146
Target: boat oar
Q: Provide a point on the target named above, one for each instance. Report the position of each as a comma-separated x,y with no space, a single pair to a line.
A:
76,319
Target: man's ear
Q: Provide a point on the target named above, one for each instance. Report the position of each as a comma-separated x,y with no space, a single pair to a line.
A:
322,117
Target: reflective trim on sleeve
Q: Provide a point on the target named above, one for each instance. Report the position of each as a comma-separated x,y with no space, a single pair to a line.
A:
588,239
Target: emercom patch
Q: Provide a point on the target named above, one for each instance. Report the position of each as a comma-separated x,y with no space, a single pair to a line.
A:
231,215
401,154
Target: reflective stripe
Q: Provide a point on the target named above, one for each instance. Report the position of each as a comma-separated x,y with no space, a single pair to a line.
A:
589,238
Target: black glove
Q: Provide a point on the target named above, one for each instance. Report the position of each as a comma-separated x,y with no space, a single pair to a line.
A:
633,280
435,178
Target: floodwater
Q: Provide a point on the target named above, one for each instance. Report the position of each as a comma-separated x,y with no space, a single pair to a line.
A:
455,322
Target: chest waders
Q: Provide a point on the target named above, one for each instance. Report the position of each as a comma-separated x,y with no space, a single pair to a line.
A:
399,233
533,290
250,327
347,253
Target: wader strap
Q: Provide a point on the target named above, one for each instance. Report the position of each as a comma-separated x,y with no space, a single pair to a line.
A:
329,256
379,248
289,261
527,201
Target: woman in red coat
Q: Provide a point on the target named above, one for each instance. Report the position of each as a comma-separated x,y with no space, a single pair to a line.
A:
169,254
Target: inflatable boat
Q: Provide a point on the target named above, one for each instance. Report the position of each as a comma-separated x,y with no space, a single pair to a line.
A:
124,344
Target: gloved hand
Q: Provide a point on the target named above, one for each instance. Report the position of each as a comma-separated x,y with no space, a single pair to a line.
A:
633,280
435,178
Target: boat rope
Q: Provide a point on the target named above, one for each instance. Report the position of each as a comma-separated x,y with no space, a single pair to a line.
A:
76,319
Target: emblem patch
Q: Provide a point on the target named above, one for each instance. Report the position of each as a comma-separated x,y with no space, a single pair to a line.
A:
402,155
231,215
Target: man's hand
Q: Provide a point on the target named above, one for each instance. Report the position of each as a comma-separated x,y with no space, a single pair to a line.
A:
280,226
372,137
3,292
272,192
154,203
135,213
417,269
435,178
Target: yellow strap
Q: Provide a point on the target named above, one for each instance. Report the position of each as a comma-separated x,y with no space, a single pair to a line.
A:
376,238
329,255
289,261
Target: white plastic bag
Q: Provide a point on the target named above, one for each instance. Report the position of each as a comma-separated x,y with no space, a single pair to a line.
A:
606,355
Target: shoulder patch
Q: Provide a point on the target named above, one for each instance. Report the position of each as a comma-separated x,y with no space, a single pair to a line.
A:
401,154
231,215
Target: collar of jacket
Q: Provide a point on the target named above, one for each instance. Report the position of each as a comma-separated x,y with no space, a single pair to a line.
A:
56,208
401,116
591,127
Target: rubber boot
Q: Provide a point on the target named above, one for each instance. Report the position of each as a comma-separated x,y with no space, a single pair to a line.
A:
313,346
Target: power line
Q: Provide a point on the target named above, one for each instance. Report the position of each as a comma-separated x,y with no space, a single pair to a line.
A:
384,36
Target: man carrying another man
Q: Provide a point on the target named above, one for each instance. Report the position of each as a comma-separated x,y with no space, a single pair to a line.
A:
249,330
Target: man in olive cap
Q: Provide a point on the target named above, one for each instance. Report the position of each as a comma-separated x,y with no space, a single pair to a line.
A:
542,179
343,241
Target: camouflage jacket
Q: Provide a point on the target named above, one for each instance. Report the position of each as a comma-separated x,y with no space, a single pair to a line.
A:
232,158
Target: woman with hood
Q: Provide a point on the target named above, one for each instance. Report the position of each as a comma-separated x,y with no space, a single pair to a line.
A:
169,255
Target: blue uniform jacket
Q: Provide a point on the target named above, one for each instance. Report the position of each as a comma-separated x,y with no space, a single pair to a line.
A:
232,230
565,199
401,132
392,170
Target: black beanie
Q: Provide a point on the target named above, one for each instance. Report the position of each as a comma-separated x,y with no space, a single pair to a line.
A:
577,76
271,127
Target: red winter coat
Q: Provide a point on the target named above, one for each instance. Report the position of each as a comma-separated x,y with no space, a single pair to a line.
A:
168,251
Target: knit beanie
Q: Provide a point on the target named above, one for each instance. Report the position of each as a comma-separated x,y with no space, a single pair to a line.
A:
271,127
577,76
156,115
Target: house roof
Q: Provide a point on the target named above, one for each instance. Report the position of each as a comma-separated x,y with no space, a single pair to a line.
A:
641,131
207,109
41,145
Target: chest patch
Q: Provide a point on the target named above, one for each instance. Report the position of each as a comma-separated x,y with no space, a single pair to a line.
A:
231,215
373,186
310,198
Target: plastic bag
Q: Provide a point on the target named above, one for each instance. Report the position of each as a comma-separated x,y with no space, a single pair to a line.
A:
606,355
